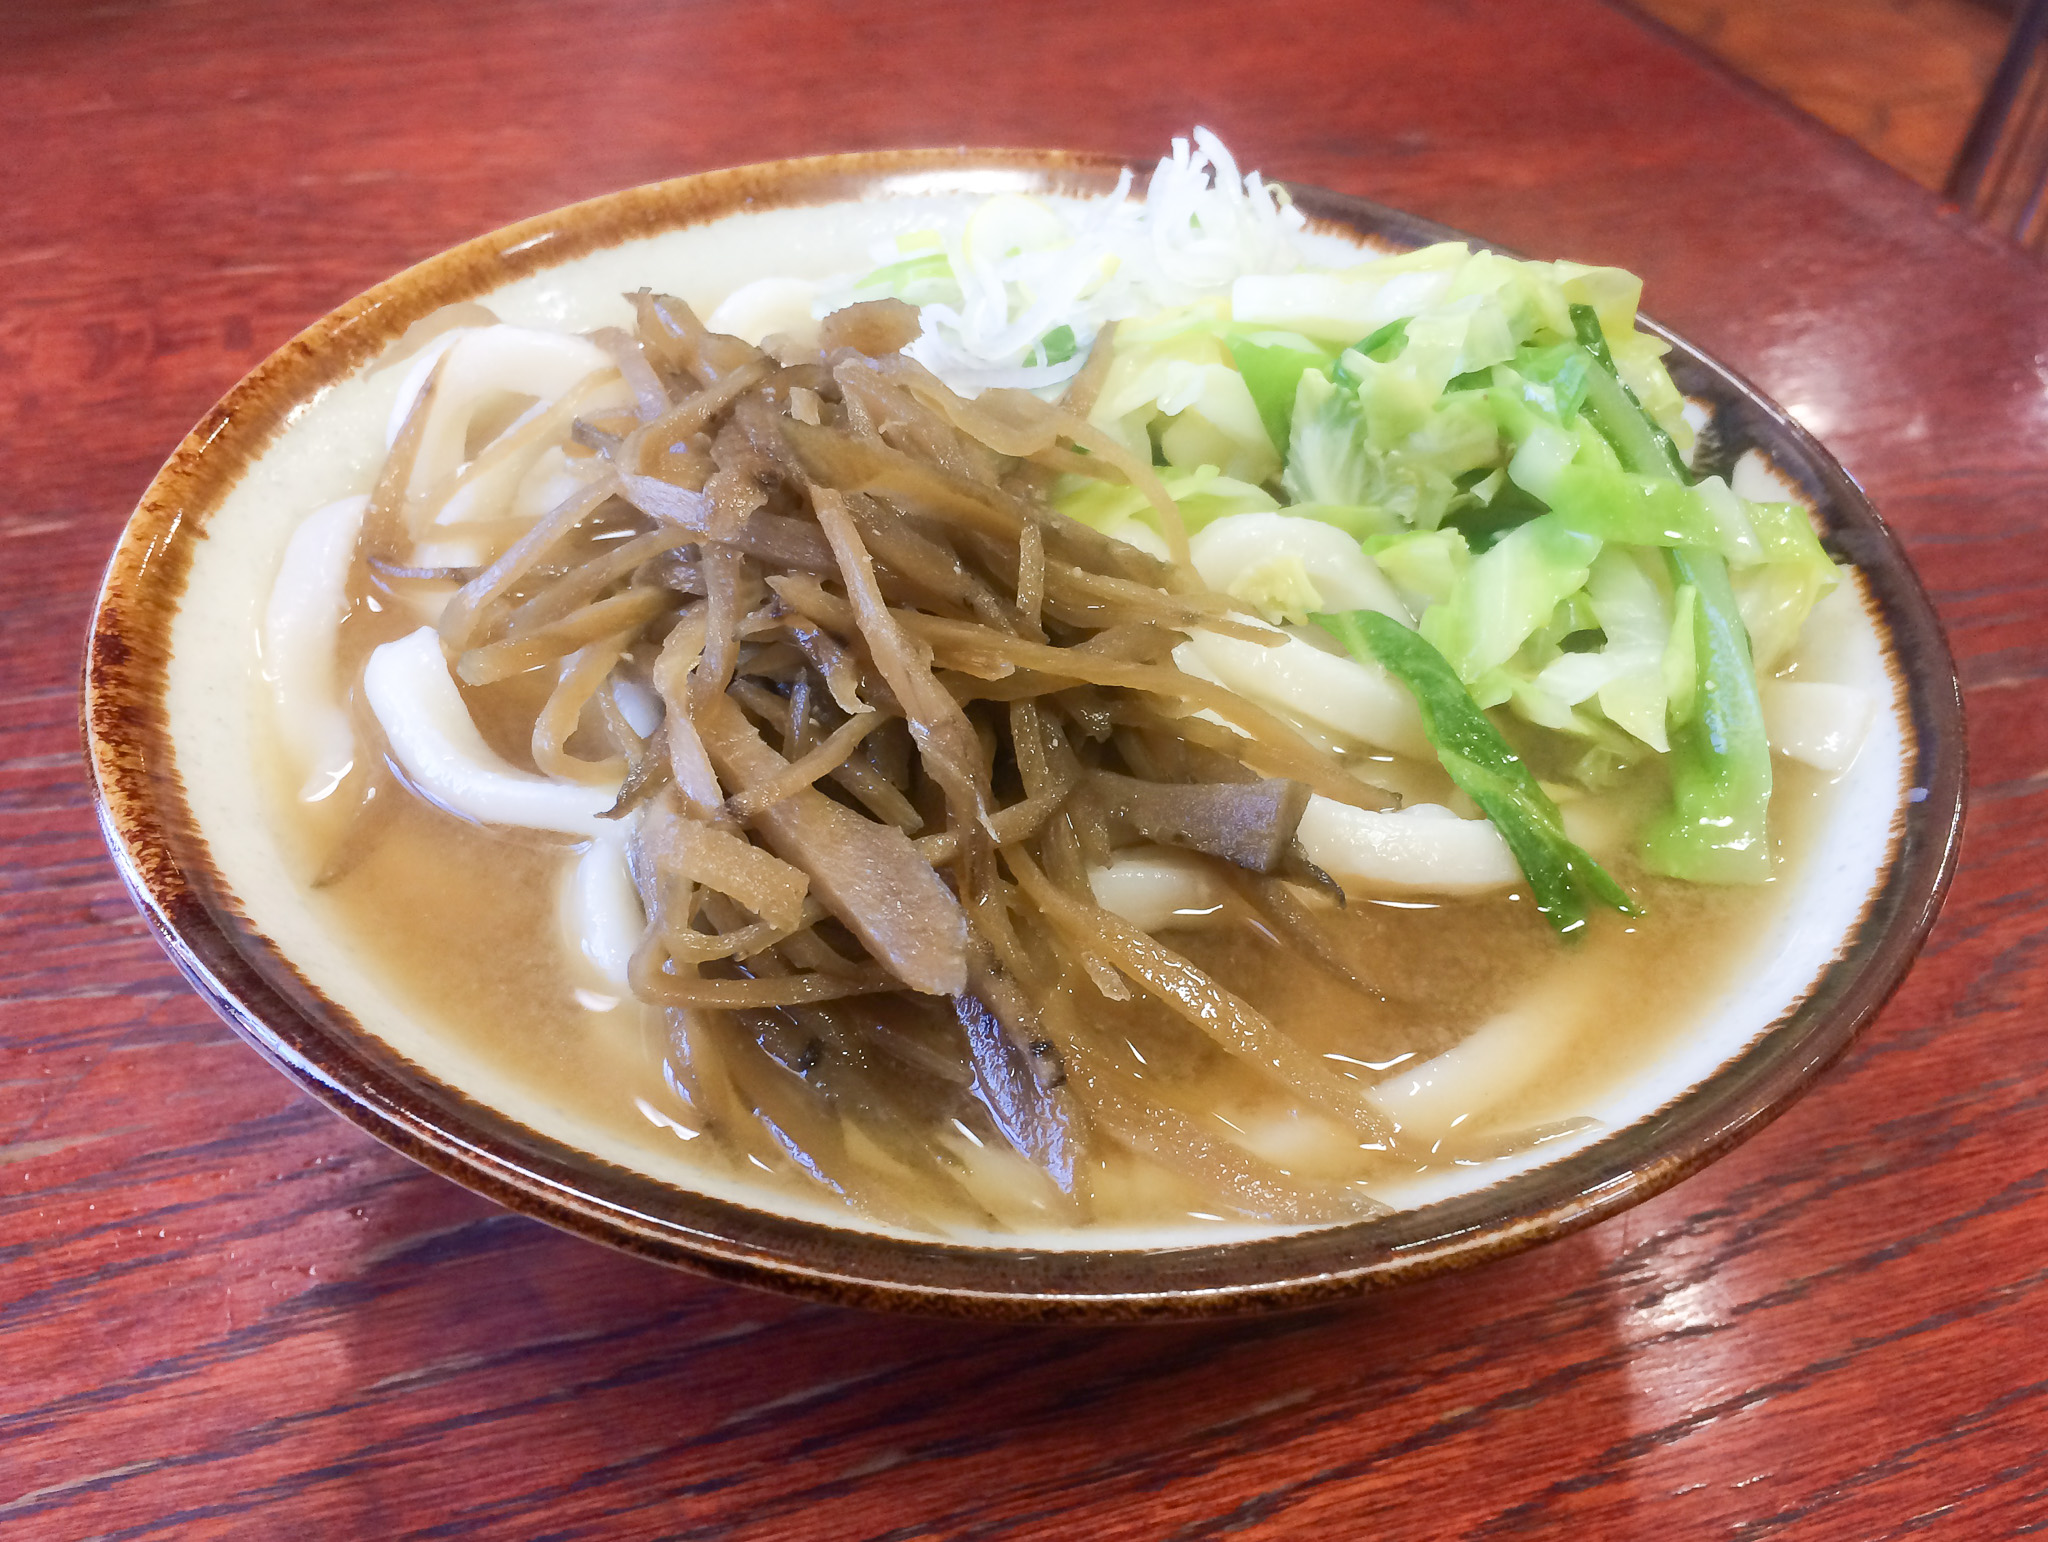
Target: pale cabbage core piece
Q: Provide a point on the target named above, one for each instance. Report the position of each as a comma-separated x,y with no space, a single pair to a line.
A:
1289,568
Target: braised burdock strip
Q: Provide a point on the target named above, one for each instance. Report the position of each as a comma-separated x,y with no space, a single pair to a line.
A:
905,707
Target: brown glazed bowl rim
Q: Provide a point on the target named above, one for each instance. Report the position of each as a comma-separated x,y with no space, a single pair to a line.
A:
164,860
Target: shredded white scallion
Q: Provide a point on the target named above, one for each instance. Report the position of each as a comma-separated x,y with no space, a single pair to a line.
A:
1025,286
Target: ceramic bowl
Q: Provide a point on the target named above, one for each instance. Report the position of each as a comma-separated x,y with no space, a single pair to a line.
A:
170,707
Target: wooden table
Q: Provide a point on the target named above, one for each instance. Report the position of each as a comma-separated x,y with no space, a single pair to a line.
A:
227,1313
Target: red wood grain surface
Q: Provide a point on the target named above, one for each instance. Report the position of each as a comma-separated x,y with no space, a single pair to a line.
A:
225,1313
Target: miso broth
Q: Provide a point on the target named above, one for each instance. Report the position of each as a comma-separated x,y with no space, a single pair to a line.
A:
465,924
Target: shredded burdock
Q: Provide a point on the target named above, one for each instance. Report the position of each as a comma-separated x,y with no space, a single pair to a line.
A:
904,707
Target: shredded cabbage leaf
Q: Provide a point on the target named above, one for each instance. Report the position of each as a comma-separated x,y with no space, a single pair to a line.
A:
1499,437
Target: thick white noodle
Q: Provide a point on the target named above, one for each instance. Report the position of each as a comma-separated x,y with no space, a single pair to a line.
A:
1301,681
551,480
414,380
1812,721
486,365
1500,1061
768,306
600,906
1154,887
640,705
428,726
308,603
1423,849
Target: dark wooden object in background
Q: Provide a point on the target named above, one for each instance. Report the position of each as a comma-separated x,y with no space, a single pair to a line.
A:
223,1312
2001,171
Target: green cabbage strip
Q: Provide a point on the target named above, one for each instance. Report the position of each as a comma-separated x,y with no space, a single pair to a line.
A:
1057,346
1328,459
1484,525
1614,410
918,279
1592,336
1563,879
1562,370
1379,346
1508,593
1717,829
1203,495
1777,595
1388,450
1634,510
1272,364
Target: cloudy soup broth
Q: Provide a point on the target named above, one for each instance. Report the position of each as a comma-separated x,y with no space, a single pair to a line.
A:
464,922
